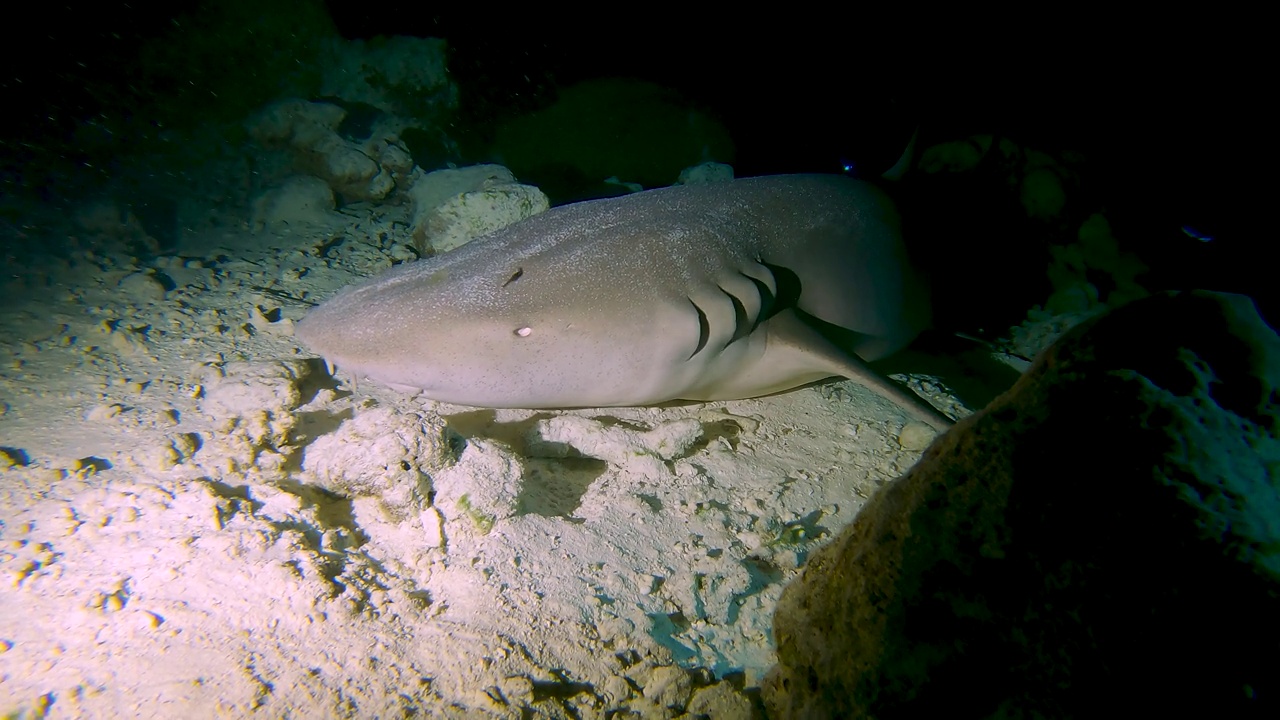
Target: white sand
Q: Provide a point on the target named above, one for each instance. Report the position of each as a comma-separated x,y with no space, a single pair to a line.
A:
203,529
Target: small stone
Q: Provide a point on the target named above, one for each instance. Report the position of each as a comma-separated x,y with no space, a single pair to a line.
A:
142,287
104,412
720,700
669,687
916,436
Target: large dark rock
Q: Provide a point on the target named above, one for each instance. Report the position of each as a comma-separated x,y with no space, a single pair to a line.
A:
635,131
1103,540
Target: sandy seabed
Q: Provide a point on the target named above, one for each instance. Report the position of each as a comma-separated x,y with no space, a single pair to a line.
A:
197,520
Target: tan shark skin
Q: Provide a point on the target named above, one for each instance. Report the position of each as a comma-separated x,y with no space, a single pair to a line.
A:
701,292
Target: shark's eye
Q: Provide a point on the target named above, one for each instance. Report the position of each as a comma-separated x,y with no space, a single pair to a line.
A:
514,277
524,331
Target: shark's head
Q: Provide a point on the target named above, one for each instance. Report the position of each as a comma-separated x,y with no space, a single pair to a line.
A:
474,327
683,292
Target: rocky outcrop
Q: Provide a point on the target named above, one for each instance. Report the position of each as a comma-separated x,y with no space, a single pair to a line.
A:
1103,540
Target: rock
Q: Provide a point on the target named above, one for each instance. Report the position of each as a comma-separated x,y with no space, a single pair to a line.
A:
669,687
916,436
348,168
295,122
157,457
270,322
720,702
962,155
463,218
454,206
400,75
243,387
301,201
615,444
1093,270
309,133
113,227
1102,539
483,487
143,287
707,172
253,405
635,130
382,452
643,452
1042,194
396,160
430,190
103,412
